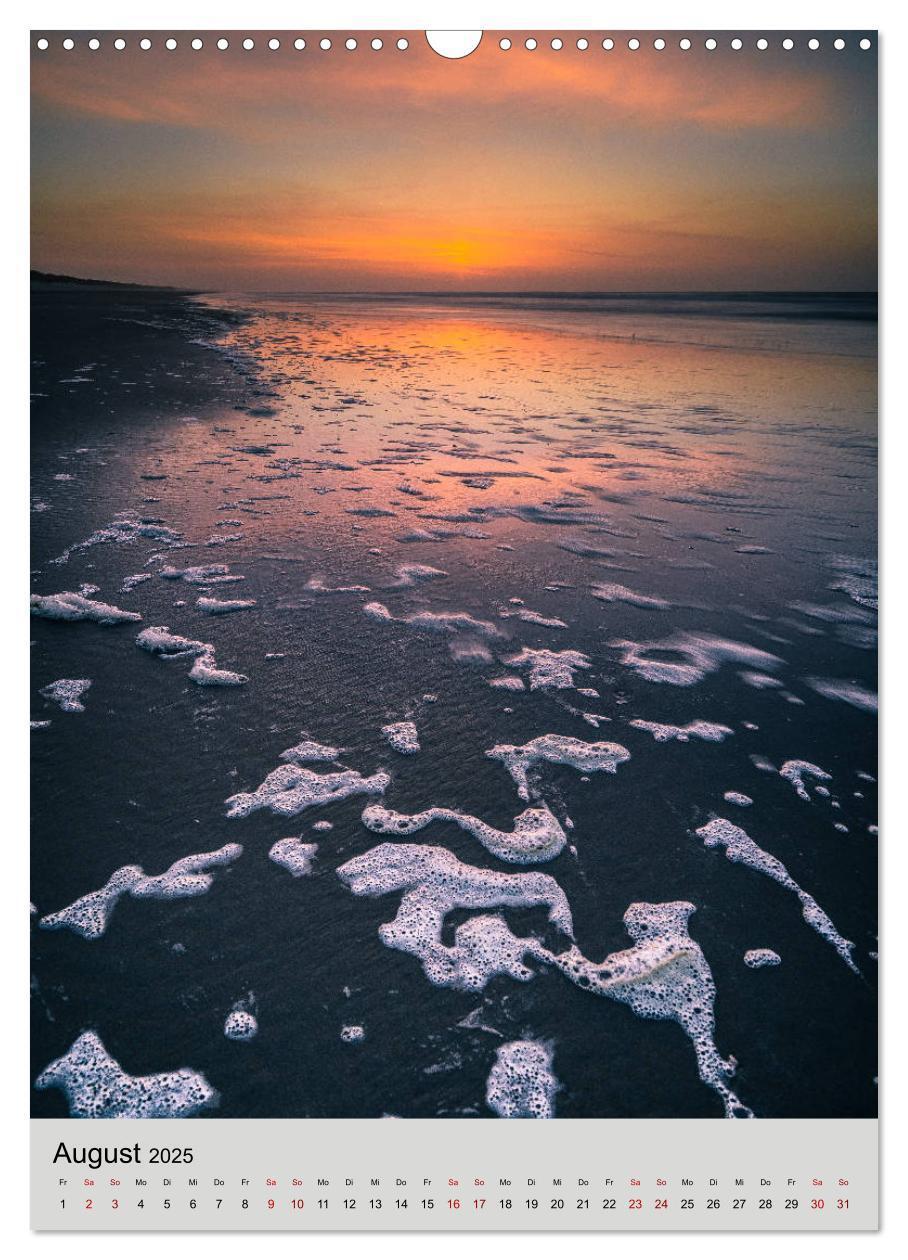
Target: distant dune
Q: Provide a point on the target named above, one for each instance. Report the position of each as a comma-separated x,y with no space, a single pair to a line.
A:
48,278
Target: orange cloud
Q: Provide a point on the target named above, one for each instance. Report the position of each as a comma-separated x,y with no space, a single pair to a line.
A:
246,92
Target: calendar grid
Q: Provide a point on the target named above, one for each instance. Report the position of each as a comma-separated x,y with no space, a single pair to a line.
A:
425,1174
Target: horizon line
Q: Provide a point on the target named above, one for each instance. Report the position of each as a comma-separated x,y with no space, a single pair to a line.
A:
63,278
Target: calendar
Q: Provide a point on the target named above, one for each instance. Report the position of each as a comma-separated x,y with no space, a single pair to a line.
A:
419,1175
454,616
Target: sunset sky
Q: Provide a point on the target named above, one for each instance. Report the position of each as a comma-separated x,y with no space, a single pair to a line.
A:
390,170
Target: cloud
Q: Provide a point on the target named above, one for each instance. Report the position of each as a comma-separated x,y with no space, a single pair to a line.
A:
248,94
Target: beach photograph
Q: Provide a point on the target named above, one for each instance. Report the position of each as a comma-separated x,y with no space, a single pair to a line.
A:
453,578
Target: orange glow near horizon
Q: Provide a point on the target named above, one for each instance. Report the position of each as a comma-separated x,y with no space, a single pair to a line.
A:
400,171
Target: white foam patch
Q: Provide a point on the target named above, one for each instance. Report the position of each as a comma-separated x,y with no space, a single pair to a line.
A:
701,654
410,574
96,1087
761,958
311,750
188,877
126,527
160,641
67,693
794,772
205,672
537,834
89,915
436,622
352,1033
739,847
549,669
217,606
70,606
402,736
521,1084
240,1026
561,750
435,883
202,575
290,789
848,692
318,584
134,580
661,732
535,618
833,614
857,579
294,854
614,593
664,975
738,798
761,682
507,682
442,533
470,651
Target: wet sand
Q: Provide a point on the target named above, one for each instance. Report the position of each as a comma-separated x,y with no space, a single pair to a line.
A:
679,509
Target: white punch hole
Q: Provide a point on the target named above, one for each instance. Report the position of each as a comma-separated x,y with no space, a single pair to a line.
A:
453,44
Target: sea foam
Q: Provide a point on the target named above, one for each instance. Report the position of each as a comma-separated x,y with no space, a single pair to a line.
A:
89,915
319,586
188,877
290,789
216,607
549,669
794,772
410,574
310,750
70,606
562,750
402,736
737,798
205,672
67,693
849,692
96,1087
664,975
701,654
126,527
521,1084
202,574
537,834
535,618
739,847
435,883
613,593
436,622
294,854
240,1025
661,732
761,958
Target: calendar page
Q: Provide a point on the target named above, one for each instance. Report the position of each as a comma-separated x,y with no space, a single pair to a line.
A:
454,628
